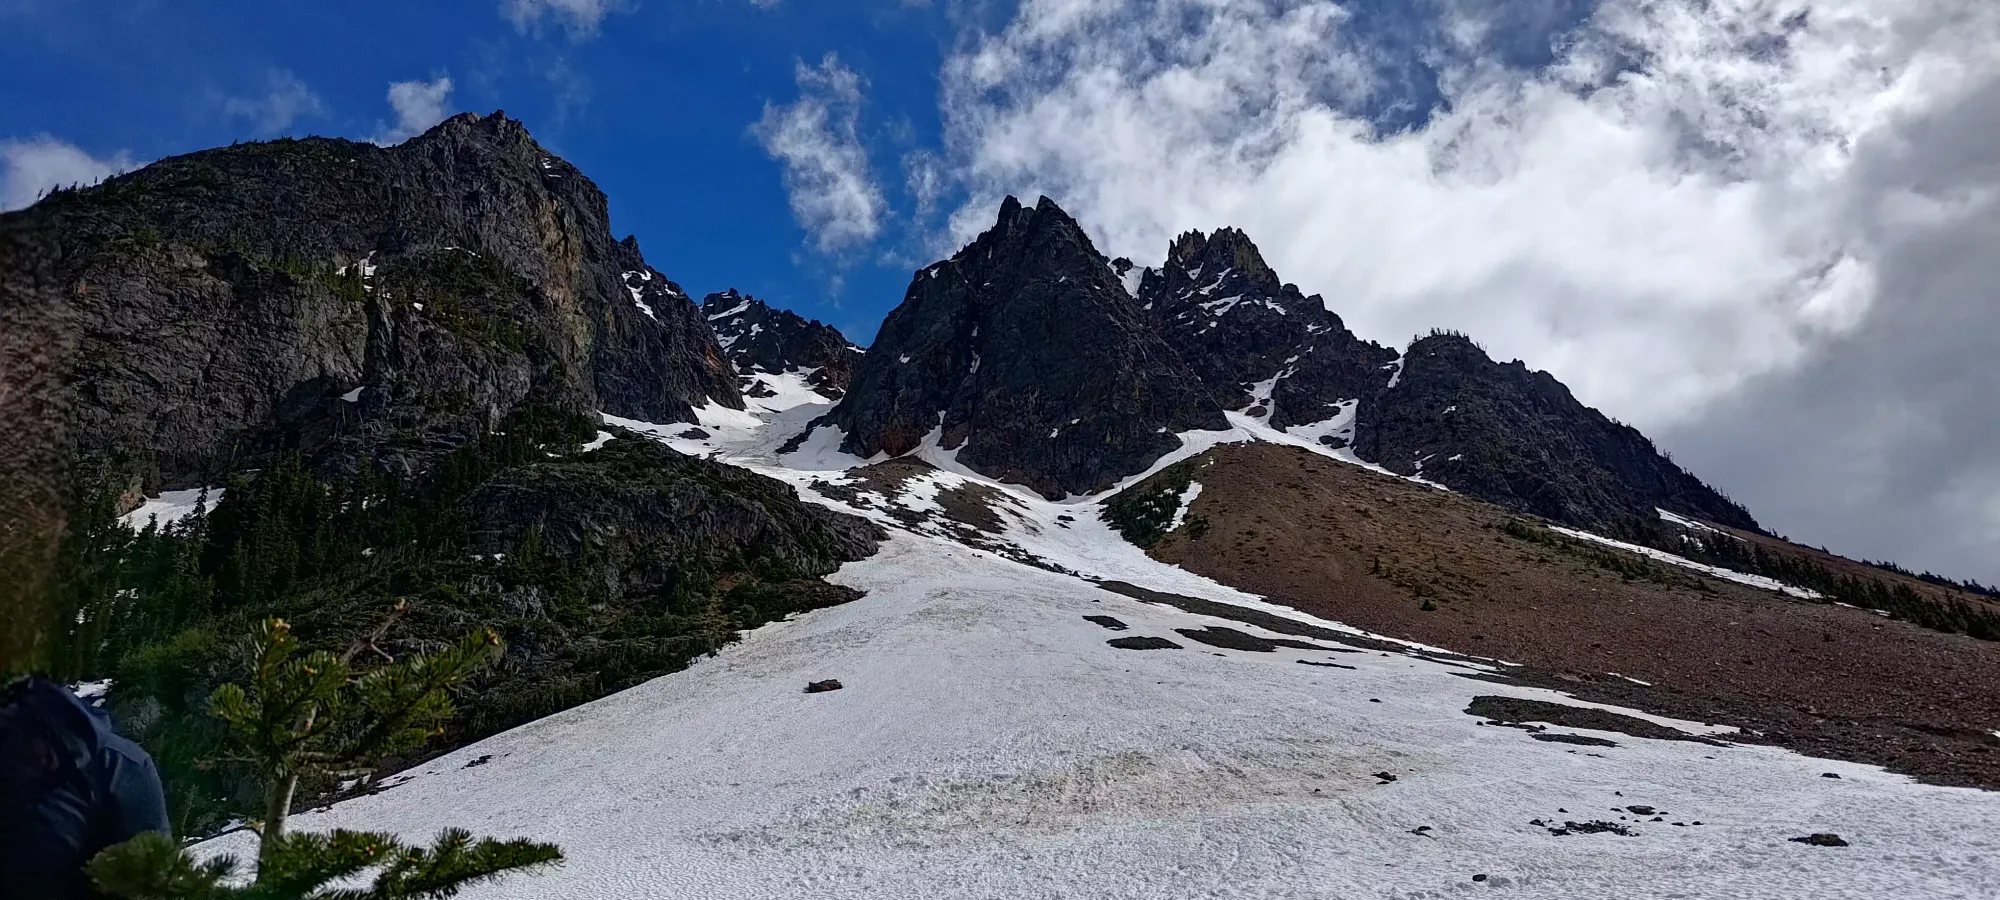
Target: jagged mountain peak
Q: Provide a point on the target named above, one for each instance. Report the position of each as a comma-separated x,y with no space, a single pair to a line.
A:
1025,354
1227,249
763,339
1518,437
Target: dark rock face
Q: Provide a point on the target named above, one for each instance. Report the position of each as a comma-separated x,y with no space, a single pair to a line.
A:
1033,360
338,298
1516,437
1258,344
761,338
663,511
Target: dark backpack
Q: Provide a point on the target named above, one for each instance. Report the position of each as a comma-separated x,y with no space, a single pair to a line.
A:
69,787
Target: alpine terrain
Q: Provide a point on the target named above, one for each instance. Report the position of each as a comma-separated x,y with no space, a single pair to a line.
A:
1087,578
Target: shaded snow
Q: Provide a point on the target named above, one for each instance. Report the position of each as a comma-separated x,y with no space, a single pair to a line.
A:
169,507
1185,503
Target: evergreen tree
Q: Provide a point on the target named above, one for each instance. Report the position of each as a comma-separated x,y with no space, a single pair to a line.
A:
315,714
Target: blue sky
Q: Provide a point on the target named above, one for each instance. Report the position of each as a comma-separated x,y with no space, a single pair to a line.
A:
656,103
1759,230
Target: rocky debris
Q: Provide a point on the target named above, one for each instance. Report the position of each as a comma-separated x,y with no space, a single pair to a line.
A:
1387,777
482,760
1107,622
1143,643
1822,839
1479,877
1640,810
1829,775
339,298
1029,359
1227,315
1330,665
1582,740
1231,639
821,687
1515,711
1422,831
1595,827
1518,438
1267,621
758,337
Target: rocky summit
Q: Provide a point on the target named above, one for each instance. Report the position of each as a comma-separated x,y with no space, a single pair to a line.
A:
337,298
1517,437
759,337
1043,364
1026,355
1257,343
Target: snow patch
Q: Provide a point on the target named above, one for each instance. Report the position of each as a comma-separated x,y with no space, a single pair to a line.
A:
169,507
1185,503
1757,581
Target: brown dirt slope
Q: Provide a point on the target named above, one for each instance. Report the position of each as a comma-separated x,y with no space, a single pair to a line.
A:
1407,561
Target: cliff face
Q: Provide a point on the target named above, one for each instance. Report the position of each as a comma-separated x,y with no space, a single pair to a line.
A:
1258,344
338,298
1517,437
759,337
1028,357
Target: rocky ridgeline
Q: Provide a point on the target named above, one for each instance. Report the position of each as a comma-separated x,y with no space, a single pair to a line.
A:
337,299
1045,364
1516,437
758,337
1257,343
1025,353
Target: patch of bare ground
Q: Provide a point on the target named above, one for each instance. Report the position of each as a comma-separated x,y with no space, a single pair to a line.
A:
1406,561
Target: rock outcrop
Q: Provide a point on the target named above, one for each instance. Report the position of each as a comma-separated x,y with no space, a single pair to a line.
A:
338,298
758,337
1514,436
1257,343
1025,354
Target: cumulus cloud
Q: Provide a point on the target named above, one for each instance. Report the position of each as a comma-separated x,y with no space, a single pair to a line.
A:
285,99
418,106
30,168
815,139
580,18
1688,202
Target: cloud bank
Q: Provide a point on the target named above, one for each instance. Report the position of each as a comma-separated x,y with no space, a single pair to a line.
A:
833,194
1695,212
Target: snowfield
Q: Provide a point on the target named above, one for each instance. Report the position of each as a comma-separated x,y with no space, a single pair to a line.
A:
990,742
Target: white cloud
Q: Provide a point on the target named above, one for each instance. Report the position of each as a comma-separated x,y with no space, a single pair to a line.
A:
923,175
285,99
1672,208
30,168
580,18
833,194
418,106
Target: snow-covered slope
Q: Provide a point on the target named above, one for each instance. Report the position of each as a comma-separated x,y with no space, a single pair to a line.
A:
989,741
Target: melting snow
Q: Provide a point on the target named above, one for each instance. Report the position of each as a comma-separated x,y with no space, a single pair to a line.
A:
1132,278
1691,524
169,507
354,396
637,292
1186,503
1395,377
1759,581
990,743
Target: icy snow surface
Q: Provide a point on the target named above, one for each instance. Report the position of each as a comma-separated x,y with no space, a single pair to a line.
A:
988,742
169,507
